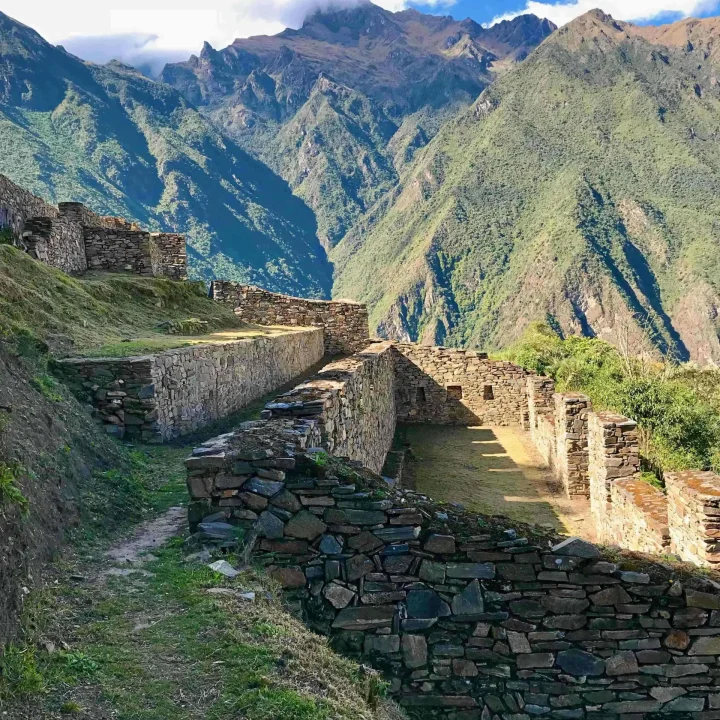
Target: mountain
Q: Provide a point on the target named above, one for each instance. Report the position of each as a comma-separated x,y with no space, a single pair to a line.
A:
339,106
127,146
581,188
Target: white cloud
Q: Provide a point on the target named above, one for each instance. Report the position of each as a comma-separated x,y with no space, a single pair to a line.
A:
93,29
630,10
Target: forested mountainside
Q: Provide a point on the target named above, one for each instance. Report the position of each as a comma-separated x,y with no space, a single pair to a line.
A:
582,188
339,106
127,146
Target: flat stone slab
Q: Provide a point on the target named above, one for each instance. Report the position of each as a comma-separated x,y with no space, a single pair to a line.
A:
364,618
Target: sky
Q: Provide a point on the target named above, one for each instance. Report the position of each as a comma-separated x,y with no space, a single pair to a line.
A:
148,33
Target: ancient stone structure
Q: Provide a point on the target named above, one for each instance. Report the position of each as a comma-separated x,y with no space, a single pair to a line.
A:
57,242
72,238
638,517
17,206
694,516
158,397
443,385
344,323
571,424
470,620
353,401
613,453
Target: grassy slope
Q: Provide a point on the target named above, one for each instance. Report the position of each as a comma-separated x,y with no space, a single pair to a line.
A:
128,146
99,310
522,207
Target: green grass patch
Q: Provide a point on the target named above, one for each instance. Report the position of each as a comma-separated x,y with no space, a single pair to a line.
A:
10,492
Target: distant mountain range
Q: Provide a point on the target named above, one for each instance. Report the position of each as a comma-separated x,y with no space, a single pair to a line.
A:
582,188
341,105
460,192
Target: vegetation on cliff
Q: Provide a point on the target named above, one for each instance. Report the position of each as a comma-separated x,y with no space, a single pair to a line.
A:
131,147
676,406
338,106
582,185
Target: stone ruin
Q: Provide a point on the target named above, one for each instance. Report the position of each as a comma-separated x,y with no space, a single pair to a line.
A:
74,239
468,617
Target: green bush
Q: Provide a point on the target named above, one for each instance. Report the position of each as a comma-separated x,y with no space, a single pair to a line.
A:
677,407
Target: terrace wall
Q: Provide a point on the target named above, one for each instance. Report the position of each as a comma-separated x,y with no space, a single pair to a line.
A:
158,397
344,323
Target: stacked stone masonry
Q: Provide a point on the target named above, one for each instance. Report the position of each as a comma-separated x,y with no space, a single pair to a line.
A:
72,238
638,517
571,423
345,323
17,206
447,386
155,398
694,516
613,453
57,242
468,618
353,401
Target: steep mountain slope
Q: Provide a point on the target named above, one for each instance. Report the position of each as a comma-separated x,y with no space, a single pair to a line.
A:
340,105
583,187
128,146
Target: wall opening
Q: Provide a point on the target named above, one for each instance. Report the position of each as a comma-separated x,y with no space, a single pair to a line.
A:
420,396
454,392
488,393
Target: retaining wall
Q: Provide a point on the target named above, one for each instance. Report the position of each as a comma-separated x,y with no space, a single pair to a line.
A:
468,623
158,397
353,401
345,323
447,386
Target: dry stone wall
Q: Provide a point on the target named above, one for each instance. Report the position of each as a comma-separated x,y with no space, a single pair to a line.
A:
571,425
344,323
694,516
17,206
613,454
638,517
158,397
443,385
57,242
470,619
353,401
72,238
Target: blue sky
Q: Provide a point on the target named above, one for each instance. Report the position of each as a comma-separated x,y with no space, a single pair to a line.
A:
151,32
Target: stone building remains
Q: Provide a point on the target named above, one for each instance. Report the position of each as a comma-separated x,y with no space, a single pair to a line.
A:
74,239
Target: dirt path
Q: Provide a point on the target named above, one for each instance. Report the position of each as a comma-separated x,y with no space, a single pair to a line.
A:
493,470
149,536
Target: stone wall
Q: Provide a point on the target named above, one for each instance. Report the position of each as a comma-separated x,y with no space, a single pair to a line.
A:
17,205
469,618
613,454
545,441
637,517
571,424
158,397
118,250
345,323
694,516
443,385
353,401
56,241
168,255
541,403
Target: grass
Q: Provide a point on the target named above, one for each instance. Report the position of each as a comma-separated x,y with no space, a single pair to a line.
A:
10,492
